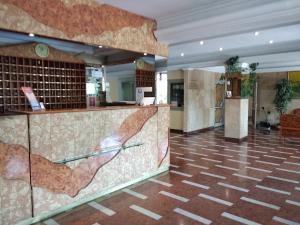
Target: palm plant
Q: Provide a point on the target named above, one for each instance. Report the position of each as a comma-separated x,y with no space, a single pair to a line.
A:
283,95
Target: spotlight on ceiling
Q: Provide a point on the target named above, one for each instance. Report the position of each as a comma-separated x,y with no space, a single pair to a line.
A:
256,33
182,54
271,42
220,49
245,65
201,42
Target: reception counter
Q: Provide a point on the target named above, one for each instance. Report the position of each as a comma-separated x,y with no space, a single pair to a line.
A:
54,160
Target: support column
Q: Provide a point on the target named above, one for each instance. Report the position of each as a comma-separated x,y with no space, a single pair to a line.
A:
236,119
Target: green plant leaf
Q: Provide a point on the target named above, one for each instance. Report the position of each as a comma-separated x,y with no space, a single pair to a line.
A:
283,95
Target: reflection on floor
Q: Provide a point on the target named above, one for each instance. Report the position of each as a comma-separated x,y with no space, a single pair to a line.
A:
210,182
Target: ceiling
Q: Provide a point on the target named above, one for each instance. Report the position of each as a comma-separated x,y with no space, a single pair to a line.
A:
227,24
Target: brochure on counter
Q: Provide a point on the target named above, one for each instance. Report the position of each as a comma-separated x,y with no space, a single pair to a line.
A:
34,103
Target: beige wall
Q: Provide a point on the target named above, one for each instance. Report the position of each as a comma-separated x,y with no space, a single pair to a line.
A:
176,119
266,95
199,98
176,115
114,85
294,104
175,75
113,88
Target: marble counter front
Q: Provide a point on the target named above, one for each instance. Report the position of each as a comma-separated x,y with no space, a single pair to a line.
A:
130,143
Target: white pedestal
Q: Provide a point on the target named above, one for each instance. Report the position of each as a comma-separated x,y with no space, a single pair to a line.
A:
236,119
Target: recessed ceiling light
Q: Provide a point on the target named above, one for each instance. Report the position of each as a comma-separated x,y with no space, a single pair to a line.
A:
100,46
31,35
182,54
256,33
201,42
102,66
220,49
271,42
145,53
134,61
245,65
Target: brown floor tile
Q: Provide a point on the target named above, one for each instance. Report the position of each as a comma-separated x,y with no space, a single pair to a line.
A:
253,212
176,219
129,217
84,215
119,201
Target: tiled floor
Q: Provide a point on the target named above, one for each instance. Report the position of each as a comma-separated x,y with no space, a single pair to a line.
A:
210,182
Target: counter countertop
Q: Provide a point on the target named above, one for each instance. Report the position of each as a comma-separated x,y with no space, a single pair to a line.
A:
89,109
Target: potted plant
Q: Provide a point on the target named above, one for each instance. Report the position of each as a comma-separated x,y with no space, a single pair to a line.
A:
243,74
248,82
283,95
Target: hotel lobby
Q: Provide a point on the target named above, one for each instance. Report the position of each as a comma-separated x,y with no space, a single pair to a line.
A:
149,112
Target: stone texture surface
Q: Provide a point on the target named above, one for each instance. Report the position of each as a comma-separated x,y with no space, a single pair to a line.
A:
236,118
163,121
199,99
15,200
82,21
103,129
13,130
57,136
14,162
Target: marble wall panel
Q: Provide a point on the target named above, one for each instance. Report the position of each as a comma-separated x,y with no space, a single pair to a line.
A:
163,121
63,135
41,142
15,196
13,130
127,126
98,24
15,202
236,118
83,132
199,100
51,135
